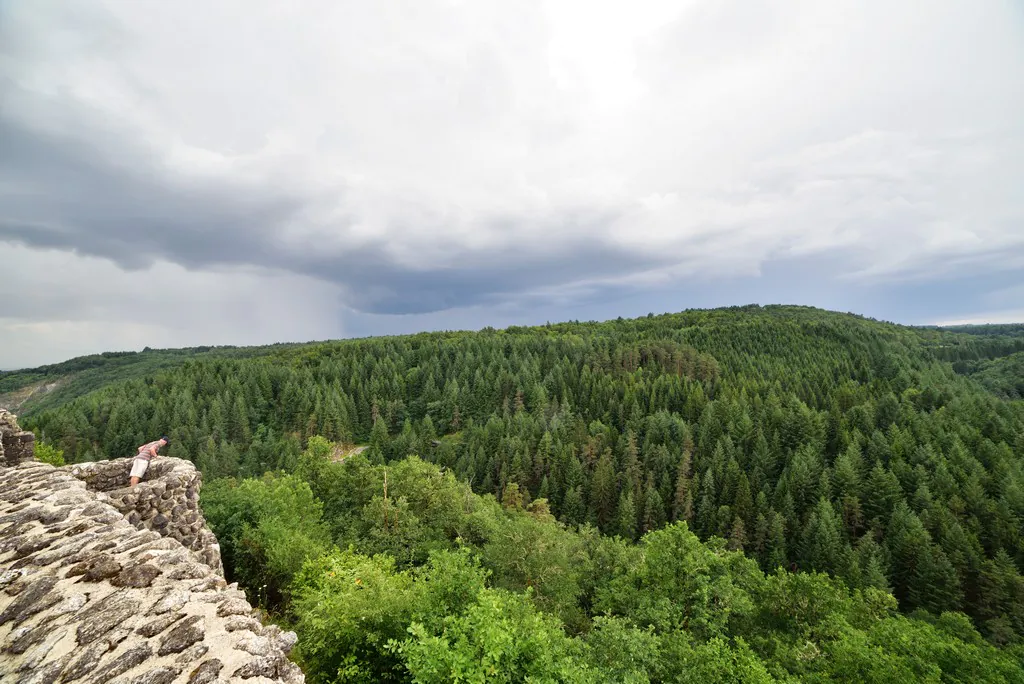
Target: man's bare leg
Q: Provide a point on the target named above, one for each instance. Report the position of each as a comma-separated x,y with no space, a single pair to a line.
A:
134,481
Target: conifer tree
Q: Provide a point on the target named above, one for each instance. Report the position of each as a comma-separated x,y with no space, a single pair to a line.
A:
653,510
738,535
821,545
603,492
682,504
776,556
573,512
625,525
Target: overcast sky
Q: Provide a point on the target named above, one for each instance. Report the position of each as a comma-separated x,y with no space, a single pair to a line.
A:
251,171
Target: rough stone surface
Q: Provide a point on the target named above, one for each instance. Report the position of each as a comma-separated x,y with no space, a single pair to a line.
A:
260,666
104,615
172,600
253,644
192,654
46,674
101,568
86,662
166,500
165,674
90,598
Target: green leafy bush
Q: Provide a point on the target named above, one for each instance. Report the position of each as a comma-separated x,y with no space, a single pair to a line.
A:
47,453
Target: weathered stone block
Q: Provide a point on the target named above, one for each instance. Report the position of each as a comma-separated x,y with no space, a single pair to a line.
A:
31,546
172,600
206,672
24,638
261,666
71,604
253,644
134,656
165,674
87,661
286,640
48,673
36,596
187,571
138,576
185,633
104,615
233,606
102,568
192,654
243,622
158,625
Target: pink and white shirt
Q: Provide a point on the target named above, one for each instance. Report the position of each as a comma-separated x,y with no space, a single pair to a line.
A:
148,451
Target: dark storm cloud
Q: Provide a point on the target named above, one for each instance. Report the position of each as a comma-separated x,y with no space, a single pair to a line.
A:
102,201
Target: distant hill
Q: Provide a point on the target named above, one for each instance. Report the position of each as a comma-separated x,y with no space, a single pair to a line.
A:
34,389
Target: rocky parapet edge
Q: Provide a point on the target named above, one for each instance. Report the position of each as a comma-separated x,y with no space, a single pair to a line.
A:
87,597
166,501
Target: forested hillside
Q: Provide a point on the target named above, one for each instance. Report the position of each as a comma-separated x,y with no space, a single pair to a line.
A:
56,384
891,458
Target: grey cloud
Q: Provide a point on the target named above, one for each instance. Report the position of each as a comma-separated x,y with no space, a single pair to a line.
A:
103,198
134,217
483,156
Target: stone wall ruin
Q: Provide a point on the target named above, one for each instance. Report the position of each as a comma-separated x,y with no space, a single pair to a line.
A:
165,501
16,445
87,596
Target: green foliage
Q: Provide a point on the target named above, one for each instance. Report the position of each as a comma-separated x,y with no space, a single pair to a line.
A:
622,652
531,551
267,529
680,583
349,608
47,453
501,637
66,381
1003,376
510,594
716,661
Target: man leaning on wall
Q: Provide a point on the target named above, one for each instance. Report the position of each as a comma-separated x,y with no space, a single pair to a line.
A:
147,452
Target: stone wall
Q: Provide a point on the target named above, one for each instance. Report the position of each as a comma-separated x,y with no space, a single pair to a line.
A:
88,594
16,445
86,597
165,501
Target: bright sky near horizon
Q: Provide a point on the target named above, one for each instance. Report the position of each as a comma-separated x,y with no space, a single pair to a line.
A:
244,172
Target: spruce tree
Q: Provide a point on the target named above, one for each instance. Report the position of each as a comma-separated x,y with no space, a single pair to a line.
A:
821,544
625,525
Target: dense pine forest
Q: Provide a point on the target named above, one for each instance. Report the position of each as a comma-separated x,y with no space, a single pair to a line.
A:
742,494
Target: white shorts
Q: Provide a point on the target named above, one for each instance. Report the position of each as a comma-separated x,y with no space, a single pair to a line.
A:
139,467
